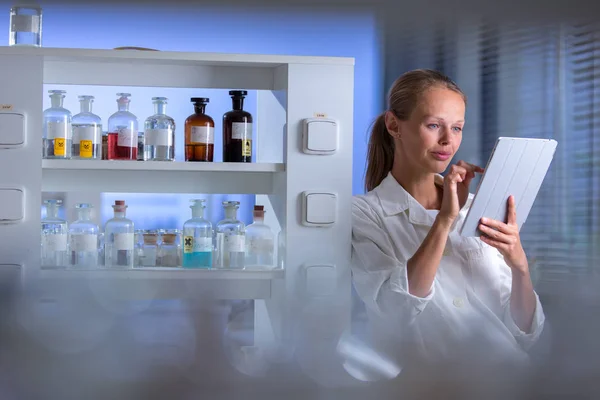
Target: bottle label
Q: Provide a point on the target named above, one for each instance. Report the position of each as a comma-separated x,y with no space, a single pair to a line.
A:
203,244
86,149
188,244
232,242
203,134
84,242
158,137
25,23
247,148
59,146
89,133
241,130
58,130
260,245
126,138
123,241
55,242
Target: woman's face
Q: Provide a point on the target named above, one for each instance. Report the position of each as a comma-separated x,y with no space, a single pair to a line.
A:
430,138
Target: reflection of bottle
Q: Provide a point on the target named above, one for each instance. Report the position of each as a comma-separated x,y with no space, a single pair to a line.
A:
260,242
58,136
159,133
119,239
237,130
54,236
199,133
122,131
230,238
25,26
84,238
197,238
87,131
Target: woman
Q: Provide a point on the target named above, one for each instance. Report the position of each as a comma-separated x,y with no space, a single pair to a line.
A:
429,292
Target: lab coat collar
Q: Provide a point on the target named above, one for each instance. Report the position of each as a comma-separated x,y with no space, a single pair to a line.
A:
395,199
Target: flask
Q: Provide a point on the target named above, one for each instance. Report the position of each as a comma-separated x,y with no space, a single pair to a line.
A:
122,131
159,133
197,238
83,241
54,237
57,128
260,242
230,238
237,130
199,133
119,239
87,131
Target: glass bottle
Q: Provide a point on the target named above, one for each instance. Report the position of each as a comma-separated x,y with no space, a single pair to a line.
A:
25,25
105,145
199,133
230,238
87,131
122,131
84,238
197,238
159,133
138,244
54,237
150,249
119,239
169,249
260,242
57,127
237,130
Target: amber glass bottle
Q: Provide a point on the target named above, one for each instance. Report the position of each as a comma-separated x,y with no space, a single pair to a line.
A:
199,133
237,130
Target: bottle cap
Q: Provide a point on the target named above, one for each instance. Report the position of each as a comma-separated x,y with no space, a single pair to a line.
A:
238,93
119,202
200,100
259,208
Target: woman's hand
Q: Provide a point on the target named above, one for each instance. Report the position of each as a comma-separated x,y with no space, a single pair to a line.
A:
505,237
456,189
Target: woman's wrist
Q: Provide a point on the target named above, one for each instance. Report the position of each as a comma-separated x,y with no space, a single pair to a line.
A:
444,222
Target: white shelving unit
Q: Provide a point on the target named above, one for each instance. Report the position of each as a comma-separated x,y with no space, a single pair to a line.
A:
289,90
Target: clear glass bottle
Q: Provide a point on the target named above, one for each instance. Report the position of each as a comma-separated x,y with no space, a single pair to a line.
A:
87,131
230,238
237,130
260,242
197,238
119,239
25,27
83,241
150,249
159,133
105,145
122,131
101,257
138,239
58,135
199,133
169,249
54,237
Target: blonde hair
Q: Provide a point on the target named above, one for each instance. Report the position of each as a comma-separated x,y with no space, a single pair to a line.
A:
402,100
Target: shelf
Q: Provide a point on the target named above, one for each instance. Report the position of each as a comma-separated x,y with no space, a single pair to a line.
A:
164,283
158,177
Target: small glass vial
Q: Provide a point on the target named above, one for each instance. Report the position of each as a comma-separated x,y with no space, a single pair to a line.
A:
260,242
149,249
119,239
169,249
87,131
101,249
57,127
138,239
230,238
83,241
237,130
122,131
25,26
105,145
197,238
54,237
159,133
199,133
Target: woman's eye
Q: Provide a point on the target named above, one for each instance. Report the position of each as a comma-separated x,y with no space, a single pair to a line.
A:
457,128
433,126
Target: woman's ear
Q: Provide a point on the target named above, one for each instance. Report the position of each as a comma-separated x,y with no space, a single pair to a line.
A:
391,123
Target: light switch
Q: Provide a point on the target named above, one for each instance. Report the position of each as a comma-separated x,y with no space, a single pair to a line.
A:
320,280
12,129
319,208
11,205
320,136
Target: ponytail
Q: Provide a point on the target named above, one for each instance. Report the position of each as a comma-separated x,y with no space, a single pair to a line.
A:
380,154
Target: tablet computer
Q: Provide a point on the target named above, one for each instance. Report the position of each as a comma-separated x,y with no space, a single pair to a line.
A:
516,167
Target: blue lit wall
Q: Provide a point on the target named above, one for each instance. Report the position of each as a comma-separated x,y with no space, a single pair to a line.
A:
264,31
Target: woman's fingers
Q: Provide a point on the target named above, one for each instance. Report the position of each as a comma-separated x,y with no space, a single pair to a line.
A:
496,235
497,225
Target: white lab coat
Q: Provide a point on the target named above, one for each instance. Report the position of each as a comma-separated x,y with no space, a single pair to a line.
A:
466,314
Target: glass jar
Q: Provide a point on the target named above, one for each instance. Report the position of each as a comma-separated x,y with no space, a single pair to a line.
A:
84,238
54,237
230,238
25,26
159,133
169,251
150,249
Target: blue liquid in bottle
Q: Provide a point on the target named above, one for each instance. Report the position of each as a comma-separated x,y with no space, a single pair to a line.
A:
197,238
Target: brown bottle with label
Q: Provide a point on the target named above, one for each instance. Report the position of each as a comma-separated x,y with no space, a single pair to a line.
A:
237,130
199,133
